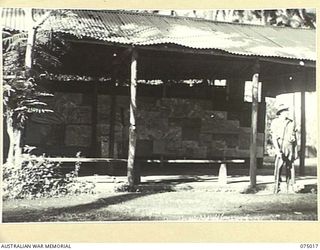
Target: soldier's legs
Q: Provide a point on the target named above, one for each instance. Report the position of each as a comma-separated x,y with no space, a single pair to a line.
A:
277,173
289,165
288,174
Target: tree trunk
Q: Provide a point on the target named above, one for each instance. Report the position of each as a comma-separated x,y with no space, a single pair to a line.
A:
10,157
264,17
30,41
14,157
17,148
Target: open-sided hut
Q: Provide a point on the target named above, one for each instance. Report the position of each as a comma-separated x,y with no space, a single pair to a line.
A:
184,80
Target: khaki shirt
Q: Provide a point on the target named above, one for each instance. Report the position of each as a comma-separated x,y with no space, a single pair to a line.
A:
284,132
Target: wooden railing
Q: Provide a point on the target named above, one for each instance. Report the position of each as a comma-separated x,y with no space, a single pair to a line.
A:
222,170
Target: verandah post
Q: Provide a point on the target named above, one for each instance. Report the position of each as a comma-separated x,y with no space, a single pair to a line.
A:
112,125
131,171
254,127
94,117
112,121
302,134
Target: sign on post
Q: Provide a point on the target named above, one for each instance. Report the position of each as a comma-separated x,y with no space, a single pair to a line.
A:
248,91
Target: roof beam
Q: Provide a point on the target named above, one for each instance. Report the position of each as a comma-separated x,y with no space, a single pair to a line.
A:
287,61
219,53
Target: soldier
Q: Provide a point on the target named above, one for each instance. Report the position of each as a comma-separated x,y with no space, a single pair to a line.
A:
285,142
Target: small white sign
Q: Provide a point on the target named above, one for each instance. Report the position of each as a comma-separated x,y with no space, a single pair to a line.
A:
248,91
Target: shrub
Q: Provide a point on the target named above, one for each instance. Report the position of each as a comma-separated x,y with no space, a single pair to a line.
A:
39,177
144,188
125,188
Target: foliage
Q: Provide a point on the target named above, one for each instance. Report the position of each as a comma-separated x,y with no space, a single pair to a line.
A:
125,188
48,51
39,177
21,94
278,17
304,18
144,188
21,98
270,115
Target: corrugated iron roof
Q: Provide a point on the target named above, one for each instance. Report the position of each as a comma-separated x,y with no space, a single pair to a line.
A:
14,18
144,29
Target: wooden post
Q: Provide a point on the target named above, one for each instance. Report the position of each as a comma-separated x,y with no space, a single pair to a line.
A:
123,131
111,133
254,122
303,134
131,173
112,124
94,117
293,173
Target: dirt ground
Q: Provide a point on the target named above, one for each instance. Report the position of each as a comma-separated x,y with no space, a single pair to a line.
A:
177,198
172,206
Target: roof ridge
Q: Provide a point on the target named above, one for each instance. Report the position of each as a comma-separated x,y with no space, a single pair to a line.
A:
196,19
126,27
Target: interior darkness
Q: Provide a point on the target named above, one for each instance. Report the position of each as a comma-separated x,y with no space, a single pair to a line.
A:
168,64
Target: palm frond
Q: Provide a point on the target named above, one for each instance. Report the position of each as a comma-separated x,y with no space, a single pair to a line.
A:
24,108
15,40
40,94
34,103
5,33
38,110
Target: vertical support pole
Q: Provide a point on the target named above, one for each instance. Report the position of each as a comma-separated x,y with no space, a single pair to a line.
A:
131,173
293,173
254,127
111,133
123,131
303,134
94,118
112,121
112,124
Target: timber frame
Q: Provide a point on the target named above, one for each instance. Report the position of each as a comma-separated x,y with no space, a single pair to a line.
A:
125,64
253,68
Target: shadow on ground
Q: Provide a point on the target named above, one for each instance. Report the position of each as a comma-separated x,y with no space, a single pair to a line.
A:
51,214
176,192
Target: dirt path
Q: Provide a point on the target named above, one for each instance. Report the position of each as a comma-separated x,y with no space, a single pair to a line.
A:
175,198
177,206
